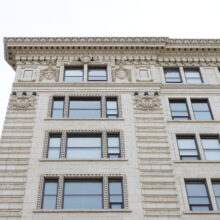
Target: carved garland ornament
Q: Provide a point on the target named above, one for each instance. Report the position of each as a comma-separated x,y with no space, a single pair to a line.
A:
150,103
23,102
85,59
49,73
121,73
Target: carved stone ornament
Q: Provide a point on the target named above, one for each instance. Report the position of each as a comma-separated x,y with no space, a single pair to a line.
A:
150,103
23,102
121,73
85,59
49,73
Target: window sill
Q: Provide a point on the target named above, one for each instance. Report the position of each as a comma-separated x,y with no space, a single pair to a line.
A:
84,119
196,161
83,160
82,211
201,213
193,121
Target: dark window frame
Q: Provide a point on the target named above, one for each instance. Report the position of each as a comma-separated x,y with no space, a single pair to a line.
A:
122,193
191,69
87,98
83,135
43,191
166,69
119,137
73,68
203,100
179,101
55,98
198,181
86,179
178,136
111,99
51,135
97,67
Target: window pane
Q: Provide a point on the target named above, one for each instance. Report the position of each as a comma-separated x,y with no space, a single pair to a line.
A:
82,202
50,188
116,206
57,113
85,104
83,153
188,152
113,141
115,188
218,202
200,106
178,106
54,141
200,208
49,202
53,153
58,104
192,74
115,198
202,116
196,189
172,75
113,155
97,74
189,158
113,150
199,200
210,143
216,188
74,72
85,113
212,154
84,142
111,104
83,187
186,143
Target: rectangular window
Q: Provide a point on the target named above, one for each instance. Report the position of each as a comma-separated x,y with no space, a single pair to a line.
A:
112,108
85,108
193,75
187,148
97,74
82,194
211,147
54,145
73,74
50,194
201,109
115,194
113,146
57,108
172,75
216,188
198,196
84,146
179,110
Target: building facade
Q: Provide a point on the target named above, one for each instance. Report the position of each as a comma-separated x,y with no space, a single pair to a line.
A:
112,129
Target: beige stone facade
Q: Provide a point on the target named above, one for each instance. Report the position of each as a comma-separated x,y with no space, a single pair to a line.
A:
152,172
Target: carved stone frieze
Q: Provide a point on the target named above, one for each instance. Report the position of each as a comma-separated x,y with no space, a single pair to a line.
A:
22,102
121,73
149,103
49,74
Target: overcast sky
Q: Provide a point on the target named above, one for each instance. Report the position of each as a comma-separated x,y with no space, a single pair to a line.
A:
167,18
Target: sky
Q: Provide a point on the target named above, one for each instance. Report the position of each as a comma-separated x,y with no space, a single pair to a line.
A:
77,18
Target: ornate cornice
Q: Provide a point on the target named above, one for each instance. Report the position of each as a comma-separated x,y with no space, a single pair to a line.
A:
154,48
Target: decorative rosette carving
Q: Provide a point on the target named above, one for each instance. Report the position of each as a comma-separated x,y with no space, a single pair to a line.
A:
23,102
149,103
121,73
49,73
